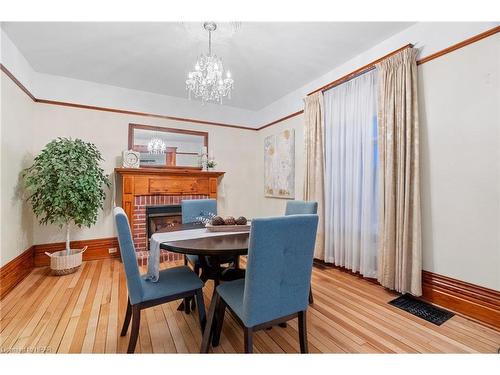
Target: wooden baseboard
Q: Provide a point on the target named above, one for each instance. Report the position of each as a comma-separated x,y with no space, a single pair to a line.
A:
18,268
15,271
473,301
96,249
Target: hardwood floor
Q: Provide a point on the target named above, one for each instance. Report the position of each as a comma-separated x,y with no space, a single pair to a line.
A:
83,313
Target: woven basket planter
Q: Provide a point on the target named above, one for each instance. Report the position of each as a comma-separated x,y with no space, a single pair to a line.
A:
64,263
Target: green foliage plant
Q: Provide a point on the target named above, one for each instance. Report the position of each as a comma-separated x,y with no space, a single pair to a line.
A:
65,184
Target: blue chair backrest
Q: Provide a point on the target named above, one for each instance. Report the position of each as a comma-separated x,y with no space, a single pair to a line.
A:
279,267
301,208
193,209
129,258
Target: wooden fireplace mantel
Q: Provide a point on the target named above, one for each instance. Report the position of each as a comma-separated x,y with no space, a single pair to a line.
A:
162,181
169,172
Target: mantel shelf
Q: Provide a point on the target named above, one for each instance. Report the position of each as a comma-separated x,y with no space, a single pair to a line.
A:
168,172
149,185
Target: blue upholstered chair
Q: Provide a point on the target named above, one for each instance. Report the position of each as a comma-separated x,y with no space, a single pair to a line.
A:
277,280
302,208
174,283
192,211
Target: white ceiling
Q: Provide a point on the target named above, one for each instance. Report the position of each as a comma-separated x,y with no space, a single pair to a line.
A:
267,60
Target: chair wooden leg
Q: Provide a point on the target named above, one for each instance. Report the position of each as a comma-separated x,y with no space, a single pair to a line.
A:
248,333
201,309
205,342
126,321
311,299
185,260
193,304
221,309
196,269
187,304
136,321
303,332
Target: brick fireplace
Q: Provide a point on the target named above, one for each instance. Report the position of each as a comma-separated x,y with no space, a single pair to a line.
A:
139,219
149,188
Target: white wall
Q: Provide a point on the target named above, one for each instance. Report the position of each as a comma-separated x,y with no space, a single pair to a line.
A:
26,127
460,154
16,219
276,206
233,149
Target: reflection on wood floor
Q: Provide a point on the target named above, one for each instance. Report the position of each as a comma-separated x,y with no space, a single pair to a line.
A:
83,313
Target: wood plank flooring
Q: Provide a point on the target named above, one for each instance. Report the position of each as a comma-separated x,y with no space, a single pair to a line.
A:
83,313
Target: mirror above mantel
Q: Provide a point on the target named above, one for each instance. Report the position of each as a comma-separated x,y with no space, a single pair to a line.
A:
161,147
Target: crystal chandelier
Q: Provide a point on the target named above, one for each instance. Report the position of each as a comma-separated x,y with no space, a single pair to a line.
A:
206,81
156,146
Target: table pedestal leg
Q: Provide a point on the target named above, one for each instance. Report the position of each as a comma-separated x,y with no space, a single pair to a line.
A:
213,272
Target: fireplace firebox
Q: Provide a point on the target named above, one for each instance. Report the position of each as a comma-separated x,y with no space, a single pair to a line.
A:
160,218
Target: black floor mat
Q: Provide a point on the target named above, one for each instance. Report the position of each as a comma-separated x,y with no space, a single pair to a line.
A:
422,309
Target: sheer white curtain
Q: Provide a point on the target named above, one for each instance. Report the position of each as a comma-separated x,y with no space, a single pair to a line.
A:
351,199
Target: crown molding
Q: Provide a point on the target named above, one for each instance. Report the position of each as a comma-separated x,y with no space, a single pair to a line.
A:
114,110
359,71
338,81
459,45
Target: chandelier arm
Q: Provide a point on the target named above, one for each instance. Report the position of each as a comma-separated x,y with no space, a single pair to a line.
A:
209,43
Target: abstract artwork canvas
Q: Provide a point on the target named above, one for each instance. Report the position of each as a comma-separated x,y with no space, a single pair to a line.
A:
279,165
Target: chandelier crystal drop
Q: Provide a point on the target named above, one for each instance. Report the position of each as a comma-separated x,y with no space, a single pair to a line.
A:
156,146
208,81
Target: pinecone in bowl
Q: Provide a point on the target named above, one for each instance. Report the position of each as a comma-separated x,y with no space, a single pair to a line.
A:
217,220
229,220
242,220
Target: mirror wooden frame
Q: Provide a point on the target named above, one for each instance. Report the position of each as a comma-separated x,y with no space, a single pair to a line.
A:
132,127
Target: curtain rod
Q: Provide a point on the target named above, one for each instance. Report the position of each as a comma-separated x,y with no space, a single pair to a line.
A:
357,72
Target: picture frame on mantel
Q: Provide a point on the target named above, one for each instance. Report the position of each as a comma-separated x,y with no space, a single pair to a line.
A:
183,148
279,165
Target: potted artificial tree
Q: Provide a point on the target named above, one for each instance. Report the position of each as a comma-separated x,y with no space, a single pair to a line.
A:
65,187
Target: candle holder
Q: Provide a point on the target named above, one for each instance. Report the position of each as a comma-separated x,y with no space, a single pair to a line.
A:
204,160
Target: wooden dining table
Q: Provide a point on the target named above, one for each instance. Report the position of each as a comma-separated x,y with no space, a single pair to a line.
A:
212,252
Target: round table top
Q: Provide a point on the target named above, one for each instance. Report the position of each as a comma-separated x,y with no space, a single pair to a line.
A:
228,244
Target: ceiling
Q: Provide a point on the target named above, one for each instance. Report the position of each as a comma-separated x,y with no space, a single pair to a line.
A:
267,60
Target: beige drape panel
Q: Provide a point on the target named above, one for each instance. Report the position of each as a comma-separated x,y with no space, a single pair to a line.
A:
399,251
315,163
